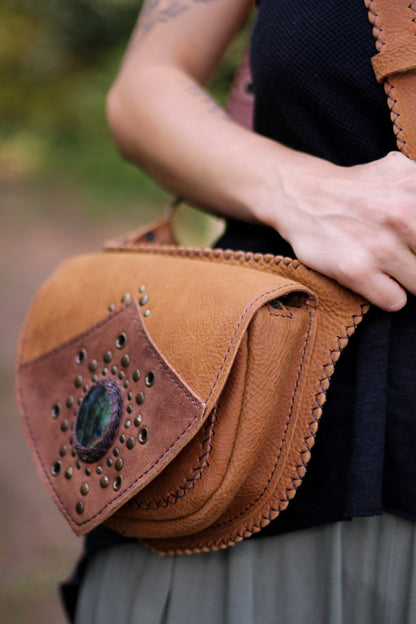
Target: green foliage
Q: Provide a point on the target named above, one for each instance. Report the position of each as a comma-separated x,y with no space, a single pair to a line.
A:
57,62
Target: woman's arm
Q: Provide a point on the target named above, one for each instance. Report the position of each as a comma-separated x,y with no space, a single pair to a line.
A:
357,225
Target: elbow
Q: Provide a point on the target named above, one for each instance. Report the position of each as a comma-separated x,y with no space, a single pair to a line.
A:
117,120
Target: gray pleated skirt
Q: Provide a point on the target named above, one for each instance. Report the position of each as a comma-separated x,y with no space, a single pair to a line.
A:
358,572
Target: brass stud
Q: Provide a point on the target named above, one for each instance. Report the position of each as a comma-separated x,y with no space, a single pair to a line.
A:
143,300
64,425
142,289
130,443
130,396
121,375
79,400
88,471
119,464
125,298
79,465
126,383
85,488
93,365
86,388
56,410
63,450
104,481
125,360
108,356
111,307
136,375
114,370
143,435
116,452
117,483
138,420
79,507
122,438
81,356
69,472
99,470
109,462
104,371
149,380
129,409
121,341
127,423
139,398
70,401
56,468
94,379
78,381
146,313
73,453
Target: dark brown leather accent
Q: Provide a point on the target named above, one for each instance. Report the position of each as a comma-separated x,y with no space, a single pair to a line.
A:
170,413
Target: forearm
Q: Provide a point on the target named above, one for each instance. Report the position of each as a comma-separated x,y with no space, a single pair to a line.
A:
163,121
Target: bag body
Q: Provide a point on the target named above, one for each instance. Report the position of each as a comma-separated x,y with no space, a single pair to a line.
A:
175,393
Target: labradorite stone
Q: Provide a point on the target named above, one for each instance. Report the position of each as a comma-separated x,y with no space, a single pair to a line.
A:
93,417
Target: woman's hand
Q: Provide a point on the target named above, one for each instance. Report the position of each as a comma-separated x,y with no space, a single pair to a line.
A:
356,225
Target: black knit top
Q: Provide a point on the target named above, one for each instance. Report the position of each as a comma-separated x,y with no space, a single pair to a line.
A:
316,91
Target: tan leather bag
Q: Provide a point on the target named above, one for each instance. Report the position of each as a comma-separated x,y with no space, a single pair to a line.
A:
175,393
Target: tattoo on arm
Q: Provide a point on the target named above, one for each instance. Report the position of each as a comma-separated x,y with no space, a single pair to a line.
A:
159,12
210,104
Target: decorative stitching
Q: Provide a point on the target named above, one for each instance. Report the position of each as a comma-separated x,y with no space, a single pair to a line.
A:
203,462
373,17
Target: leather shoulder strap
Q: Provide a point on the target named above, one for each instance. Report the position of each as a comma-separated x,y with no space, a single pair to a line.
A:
394,28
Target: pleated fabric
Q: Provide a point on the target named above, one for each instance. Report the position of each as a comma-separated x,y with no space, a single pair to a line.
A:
358,572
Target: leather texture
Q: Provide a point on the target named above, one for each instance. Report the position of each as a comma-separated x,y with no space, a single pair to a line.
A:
241,348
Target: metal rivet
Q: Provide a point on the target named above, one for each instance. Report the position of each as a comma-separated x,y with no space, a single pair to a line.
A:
143,435
142,289
78,381
63,450
127,424
130,443
116,452
85,488
69,472
119,464
136,375
70,401
79,465
125,298
111,307
108,356
147,313
105,371
139,398
130,396
143,300
122,438
114,370
117,483
109,462
129,409
79,507
99,470
121,341
85,388
149,380
73,453
64,425
126,383
138,420
56,468
125,360
121,375
56,410
71,441
87,471
104,481
79,400
93,365
81,356
94,379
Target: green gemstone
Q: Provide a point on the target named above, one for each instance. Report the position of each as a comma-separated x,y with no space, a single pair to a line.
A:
93,417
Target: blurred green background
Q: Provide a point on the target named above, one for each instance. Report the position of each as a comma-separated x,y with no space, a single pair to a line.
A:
63,190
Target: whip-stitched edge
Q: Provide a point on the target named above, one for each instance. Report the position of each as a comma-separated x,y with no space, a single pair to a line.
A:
189,483
29,430
300,468
388,87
